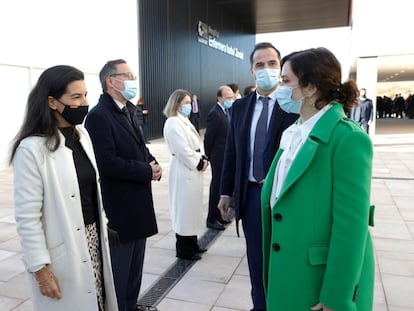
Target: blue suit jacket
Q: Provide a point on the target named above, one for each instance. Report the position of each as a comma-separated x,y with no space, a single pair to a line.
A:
237,152
123,163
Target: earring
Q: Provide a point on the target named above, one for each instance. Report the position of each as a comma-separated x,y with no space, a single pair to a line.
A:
311,102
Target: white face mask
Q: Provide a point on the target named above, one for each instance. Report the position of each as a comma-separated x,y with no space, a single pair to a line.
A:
266,79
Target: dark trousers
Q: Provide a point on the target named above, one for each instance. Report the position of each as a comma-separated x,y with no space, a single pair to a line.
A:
186,246
252,227
127,263
214,197
365,126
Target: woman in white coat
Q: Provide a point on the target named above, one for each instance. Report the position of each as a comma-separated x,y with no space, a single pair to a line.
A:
58,207
186,175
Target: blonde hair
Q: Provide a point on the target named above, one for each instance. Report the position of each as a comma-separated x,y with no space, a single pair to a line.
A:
174,102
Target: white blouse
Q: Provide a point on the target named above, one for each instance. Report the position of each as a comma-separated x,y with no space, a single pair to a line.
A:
292,140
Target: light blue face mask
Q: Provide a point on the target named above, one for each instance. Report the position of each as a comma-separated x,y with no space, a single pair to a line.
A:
130,89
266,79
185,110
227,104
284,98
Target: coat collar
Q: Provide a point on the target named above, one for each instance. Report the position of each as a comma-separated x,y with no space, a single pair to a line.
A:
323,128
109,103
320,134
187,123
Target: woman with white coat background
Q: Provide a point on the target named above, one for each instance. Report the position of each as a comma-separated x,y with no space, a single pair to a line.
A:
57,198
186,175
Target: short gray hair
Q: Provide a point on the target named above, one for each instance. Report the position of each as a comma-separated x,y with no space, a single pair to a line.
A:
108,69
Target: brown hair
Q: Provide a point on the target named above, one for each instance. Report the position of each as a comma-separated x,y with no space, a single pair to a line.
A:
321,68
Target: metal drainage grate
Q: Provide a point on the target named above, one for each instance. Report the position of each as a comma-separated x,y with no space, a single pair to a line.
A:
177,270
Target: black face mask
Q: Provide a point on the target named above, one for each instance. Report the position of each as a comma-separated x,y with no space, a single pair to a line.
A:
74,114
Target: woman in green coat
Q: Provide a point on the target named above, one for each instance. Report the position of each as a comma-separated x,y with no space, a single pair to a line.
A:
318,253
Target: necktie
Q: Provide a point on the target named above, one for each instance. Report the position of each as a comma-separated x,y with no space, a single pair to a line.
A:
259,141
127,114
137,128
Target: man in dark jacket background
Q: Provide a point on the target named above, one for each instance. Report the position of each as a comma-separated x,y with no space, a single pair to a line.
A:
214,143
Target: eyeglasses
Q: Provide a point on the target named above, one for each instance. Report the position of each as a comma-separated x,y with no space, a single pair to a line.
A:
127,75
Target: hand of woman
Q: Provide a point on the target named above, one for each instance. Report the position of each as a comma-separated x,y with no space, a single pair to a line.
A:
320,306
205,165
48,284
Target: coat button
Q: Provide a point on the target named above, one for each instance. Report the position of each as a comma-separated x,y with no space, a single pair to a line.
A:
276,247
278,217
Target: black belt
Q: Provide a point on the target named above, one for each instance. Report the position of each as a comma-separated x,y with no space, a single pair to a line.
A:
256,184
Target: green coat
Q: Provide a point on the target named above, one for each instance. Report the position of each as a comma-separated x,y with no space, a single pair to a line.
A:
316,243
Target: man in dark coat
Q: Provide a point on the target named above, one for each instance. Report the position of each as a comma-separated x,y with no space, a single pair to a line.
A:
242,175
126,170
214,143
195,112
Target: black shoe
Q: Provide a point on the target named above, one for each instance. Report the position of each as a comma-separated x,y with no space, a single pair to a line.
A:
194,257
201,250
225,222
215,225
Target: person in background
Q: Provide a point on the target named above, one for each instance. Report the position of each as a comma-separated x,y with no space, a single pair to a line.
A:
185,190
398,105
249,89
366,110
127,168
214,143
142,113
57,199
253,136
195,113
236,90
319,185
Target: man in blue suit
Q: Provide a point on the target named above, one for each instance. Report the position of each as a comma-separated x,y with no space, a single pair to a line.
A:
253,137
366,108
126,170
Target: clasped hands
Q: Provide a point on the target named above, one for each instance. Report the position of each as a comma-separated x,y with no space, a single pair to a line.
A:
156,170
205,163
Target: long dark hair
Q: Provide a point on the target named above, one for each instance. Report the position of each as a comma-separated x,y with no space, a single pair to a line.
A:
39,119
321,68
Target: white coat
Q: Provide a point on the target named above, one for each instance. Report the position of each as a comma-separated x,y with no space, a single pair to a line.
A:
185,181
50,224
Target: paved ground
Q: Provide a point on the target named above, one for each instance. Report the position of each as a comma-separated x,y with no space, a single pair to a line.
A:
219,282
